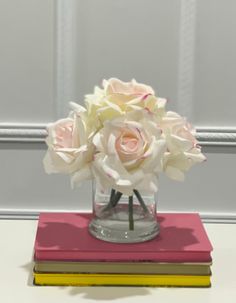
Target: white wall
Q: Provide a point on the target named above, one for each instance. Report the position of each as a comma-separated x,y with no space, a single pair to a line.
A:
26,61
52,52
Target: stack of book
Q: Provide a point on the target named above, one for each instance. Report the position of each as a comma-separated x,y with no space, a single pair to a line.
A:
66,254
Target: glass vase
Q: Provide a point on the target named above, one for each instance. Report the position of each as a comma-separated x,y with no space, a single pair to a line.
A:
123,219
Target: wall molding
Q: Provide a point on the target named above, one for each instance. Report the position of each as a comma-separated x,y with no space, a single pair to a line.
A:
22,133
66,33
218,218
187,30
216,136
36,133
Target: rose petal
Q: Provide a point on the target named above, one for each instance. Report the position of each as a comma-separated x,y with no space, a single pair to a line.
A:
83,174
174,173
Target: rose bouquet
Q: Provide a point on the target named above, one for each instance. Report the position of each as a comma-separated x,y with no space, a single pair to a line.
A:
124,138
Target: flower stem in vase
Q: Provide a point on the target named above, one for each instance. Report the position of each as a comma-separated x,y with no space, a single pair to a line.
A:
131,218
110,203
113,192
116,198
140,199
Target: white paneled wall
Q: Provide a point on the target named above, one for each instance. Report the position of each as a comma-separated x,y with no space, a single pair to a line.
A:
215,63
56,51
138,39
26,61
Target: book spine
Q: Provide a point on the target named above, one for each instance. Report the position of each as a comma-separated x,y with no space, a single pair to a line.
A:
135,280
92,256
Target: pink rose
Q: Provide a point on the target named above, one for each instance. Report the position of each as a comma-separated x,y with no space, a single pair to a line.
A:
117,98
69,150
183,150
129,153
130,90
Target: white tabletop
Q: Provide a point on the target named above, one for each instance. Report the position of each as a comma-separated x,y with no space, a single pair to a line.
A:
16,247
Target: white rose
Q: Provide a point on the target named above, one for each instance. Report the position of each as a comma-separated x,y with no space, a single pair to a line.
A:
129,152
183,150
69,146
117,97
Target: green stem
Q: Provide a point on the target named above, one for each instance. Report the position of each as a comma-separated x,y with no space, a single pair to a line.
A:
116,198
131,218
110,203
113,192
140,199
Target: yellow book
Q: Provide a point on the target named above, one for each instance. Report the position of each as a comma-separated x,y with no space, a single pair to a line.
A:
70,279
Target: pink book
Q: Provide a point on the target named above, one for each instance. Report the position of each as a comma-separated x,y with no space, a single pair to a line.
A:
65,237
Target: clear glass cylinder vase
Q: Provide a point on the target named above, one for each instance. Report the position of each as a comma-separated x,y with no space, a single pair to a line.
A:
123,219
